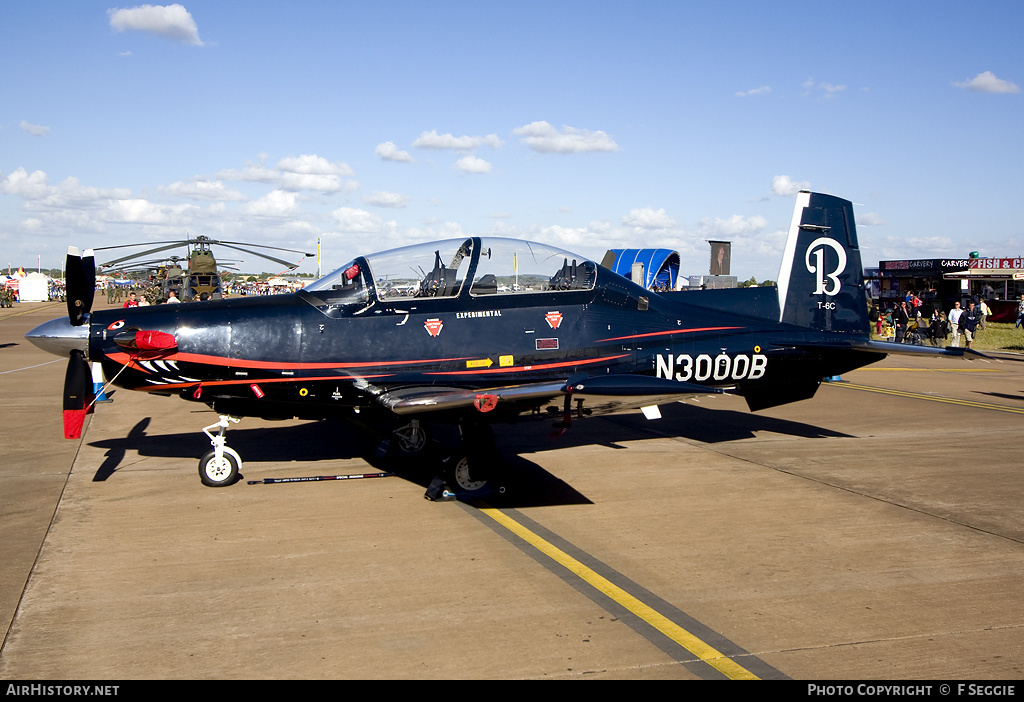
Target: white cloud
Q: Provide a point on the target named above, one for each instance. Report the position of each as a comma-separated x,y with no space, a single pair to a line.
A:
311,172
252,173
311,164
311,181
869,219
783,185
201,189
829,89
988,83
433,140
277,203
138,211
472,164
542,137
763,90
168,21
27,185
389,152
294,173
648,218
356,221
39,195
379,198
735,226
34,129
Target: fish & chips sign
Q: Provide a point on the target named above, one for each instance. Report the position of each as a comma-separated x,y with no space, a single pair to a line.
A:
997,263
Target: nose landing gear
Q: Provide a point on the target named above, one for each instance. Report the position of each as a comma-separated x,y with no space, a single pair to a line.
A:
219,467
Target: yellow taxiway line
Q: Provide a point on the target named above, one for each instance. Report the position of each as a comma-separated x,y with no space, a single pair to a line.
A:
717,660
932,398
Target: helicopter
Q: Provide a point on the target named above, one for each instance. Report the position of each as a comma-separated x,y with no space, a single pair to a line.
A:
200,275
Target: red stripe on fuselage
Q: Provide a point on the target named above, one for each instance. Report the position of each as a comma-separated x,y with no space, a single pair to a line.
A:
125,359
671,331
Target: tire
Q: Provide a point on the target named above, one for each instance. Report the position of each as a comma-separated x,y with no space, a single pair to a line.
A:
465,477
219,473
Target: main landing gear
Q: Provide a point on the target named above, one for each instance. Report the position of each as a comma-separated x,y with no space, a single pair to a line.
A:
219,467
464,459
410,438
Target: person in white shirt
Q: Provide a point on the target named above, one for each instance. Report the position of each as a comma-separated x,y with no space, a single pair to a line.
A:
954,323
172,297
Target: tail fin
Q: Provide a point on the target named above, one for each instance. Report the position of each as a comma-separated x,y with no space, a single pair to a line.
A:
821,283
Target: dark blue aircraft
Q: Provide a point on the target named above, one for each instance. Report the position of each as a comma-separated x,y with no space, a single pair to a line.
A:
474,331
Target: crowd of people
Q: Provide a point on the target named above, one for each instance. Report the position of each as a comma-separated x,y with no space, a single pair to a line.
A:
910,325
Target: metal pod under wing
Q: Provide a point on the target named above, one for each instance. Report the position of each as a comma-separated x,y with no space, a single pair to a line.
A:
608,391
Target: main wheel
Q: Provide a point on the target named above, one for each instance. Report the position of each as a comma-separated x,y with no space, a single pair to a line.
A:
465,476
219,472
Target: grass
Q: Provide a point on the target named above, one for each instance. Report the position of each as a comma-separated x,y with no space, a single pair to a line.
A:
994,337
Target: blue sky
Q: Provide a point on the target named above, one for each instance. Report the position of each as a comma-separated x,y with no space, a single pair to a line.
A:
587,125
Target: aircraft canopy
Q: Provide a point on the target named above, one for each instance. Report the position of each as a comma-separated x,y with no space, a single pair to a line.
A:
440,269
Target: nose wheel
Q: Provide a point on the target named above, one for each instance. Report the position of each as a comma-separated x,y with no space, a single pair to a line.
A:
219,467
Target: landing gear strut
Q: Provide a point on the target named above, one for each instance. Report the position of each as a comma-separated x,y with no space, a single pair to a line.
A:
219,467
411,438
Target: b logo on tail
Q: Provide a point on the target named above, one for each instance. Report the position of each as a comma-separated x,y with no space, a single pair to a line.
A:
827,283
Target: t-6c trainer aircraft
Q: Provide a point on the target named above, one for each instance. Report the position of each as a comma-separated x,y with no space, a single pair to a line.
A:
475,331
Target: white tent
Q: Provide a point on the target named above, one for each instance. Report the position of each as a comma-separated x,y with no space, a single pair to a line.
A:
34,287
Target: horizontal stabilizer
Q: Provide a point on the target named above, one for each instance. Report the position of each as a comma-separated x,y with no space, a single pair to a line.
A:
882,347
913,349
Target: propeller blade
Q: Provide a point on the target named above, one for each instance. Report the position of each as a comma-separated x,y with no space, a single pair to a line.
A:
77,394
80,271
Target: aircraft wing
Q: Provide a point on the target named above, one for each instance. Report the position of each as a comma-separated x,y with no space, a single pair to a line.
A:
605,393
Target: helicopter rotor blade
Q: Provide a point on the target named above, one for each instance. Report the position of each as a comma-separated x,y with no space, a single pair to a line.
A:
144,243
265,246
263,255
141,253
